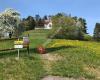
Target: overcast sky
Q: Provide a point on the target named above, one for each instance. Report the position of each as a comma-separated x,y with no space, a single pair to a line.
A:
88,9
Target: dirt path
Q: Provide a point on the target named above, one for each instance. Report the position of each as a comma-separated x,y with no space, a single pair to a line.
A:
60,78
47,60
51,57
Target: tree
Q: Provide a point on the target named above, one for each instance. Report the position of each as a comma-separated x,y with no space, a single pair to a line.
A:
61,19
9,21
59,14
41,22
80,34
83,27
45,17
69,28
75,18
37,17
97,31
31,22
28,23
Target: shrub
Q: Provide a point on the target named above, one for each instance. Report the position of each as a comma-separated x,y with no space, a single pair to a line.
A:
87,37
69,32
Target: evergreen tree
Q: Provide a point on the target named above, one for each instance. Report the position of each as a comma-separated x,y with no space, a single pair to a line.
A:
97,31
83,27
45,17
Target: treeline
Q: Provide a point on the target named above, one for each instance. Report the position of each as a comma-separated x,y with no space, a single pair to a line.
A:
72,27
31,22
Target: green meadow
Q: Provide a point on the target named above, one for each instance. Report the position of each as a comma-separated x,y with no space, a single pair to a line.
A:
66,58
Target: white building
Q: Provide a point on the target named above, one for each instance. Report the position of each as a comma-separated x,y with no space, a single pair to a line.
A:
47,24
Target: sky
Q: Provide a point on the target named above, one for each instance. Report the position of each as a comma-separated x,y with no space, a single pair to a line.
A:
88,9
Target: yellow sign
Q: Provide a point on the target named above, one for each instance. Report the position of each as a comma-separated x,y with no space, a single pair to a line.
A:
18,42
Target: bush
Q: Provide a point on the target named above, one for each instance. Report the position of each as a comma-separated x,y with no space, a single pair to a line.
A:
87,37
69,32
59,36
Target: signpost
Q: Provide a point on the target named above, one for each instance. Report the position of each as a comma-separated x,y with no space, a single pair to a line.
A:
19,44
26,43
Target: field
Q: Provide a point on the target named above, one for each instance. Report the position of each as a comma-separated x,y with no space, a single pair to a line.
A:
66,58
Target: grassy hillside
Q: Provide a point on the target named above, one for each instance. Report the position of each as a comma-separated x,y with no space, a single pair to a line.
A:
67,58
6,44
79,59
36,38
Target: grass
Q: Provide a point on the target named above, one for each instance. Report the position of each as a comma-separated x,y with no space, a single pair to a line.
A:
26,68
12,69
77,55
69,58
37,37
7,44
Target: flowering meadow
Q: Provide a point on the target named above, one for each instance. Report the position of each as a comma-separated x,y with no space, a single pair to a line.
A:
93,46
79,58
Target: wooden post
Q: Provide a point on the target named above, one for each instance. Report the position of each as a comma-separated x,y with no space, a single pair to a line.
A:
18,54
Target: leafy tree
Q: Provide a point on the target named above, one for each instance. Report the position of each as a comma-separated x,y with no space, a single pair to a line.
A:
9,21
28,23
69,28
62,20
31,22
20,29
70,32
41,22
59,14
75,18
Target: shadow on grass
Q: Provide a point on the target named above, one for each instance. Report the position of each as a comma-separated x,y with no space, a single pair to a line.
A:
24,52
14,53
